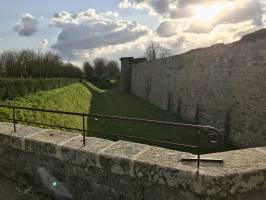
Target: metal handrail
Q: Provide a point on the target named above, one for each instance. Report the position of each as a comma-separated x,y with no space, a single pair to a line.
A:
215,133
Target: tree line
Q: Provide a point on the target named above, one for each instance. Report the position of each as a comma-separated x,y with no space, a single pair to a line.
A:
109,69
31,64
101,69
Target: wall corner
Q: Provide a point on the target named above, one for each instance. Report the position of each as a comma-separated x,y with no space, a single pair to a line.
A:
126,72
125,77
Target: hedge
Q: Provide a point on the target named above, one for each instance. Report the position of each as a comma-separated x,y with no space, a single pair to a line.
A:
11,88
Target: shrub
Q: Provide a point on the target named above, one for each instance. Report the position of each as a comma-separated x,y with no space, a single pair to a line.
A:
11,88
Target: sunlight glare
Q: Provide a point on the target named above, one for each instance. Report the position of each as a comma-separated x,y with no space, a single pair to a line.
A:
207,12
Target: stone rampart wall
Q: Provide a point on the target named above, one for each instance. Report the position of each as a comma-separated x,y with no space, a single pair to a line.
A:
223,86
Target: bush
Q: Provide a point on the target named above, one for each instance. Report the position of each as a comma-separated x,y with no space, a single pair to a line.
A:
14,87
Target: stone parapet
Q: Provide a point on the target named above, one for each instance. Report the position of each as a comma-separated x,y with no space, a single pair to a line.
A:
104,169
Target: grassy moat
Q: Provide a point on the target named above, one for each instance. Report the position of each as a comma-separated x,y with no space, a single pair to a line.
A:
104,98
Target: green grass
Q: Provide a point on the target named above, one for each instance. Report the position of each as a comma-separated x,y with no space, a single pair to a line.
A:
112,102
73,98
89,98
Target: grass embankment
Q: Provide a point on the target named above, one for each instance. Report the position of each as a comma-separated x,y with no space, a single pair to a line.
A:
88,97
73,98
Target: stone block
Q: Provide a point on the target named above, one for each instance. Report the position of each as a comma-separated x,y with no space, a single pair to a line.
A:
75,153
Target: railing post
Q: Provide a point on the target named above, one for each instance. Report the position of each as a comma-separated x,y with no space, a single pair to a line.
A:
83,129
199,148
14,119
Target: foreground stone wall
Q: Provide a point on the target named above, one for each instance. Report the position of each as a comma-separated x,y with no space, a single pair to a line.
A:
57,165
223,86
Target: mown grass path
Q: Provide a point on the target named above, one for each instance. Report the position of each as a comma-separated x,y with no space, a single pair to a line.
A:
113,102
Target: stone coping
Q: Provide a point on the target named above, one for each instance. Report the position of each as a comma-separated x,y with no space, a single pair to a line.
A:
242,170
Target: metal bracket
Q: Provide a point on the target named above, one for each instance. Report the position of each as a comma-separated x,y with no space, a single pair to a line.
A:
203,160
212,160
213,138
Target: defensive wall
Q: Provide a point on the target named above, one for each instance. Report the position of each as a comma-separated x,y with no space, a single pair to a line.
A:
55,163
223,85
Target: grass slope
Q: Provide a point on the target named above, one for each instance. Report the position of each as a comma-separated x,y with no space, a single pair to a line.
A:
89,98
74,98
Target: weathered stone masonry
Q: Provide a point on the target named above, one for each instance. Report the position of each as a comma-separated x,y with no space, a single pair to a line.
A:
107,170
222,85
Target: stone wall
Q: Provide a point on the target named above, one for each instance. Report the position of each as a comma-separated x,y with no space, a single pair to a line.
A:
126,72
222,85
125,76
57,165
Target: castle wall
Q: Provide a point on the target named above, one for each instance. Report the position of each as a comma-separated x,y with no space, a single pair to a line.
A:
222,85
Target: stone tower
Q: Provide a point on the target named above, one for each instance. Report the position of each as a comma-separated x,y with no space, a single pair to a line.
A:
125,76
126,69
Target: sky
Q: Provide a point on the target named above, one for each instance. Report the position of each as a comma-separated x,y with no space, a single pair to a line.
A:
81,30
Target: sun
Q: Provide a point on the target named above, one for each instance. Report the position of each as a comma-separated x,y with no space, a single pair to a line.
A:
207,12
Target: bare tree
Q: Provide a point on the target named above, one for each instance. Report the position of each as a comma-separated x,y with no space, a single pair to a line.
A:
163,52
151,51
112,69
155,51
9,61
2,67
99,67
88,69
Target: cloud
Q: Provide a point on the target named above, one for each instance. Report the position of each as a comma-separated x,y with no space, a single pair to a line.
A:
136,4
167,29
126,4
89,34
89,30
44,44
160,6
224,33
233,11
184,3
134,48
184,12
242,11
198,27
63,19
27,26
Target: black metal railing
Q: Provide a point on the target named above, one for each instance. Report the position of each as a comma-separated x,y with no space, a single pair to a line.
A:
214,135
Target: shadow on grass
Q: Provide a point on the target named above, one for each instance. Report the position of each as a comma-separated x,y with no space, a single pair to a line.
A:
112,102
105,84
